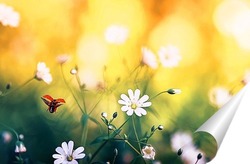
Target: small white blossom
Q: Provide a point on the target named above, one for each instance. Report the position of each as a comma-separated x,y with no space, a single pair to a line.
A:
149,58
7,136
189,155
43,73
219,96
116,34
148,152
133,103
8,17
20,148
66,154
169,56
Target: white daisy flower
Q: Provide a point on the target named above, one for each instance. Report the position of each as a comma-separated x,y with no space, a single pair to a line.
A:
134,104
42,73
116,34
8,17
149,58
148,152
169,56
67,155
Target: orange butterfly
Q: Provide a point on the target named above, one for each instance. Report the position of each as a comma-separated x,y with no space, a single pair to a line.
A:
52,103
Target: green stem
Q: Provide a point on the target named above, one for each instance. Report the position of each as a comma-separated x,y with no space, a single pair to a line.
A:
64,79
132,147
157,95
82,93
84,129
25,83
136,135
98,150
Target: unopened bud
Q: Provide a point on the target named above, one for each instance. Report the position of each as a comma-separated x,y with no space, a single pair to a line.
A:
174,91
153,128
160,127
21,137
104,114
199,156
115,115
73,71
179,152
8,86
110,127
115,152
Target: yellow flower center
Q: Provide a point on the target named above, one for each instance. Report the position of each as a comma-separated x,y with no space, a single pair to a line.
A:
69,158
133,106
148,151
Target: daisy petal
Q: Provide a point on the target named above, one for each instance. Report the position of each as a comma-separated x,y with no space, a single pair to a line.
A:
130,112
122,102
65,147
80,156
143,99
70,147
131,94
78,151
146,104
137,94
125,108
57,156
138,113
125,98
142,111
60,150
58,161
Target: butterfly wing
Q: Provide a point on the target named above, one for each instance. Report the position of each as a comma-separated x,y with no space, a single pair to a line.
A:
47,99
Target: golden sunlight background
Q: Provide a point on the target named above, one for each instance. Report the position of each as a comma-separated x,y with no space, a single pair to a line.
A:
105,40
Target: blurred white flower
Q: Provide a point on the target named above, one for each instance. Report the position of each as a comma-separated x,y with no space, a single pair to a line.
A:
43,73
180,139
169,56
20,147
134,103
67,155
190,154
61,59
116,34
7,136
148,152
149,58
8,17
219,96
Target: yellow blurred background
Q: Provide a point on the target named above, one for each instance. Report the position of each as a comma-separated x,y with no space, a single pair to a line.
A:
212,37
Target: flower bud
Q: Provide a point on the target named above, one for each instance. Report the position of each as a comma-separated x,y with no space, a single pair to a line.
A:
115,115
115,152
160,127
8,86
199,156
179,152
153,128
174,91
104,114
21,137
73,71
110,127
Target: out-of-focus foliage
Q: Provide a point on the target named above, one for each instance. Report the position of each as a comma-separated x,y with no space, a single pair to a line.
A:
104,40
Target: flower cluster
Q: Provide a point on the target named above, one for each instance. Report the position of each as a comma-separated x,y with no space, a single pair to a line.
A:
8,17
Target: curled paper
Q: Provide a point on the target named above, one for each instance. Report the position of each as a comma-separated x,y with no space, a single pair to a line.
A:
230,128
